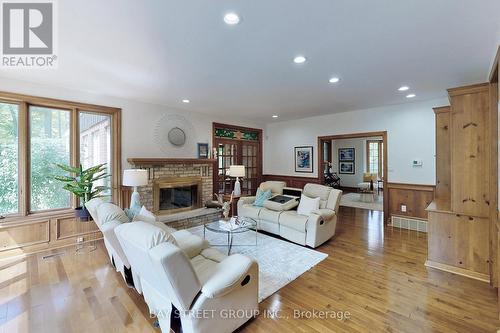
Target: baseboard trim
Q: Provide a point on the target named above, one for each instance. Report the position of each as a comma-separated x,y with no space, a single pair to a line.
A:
459,271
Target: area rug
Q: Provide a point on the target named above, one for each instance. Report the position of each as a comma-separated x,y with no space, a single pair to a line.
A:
280,262
353,200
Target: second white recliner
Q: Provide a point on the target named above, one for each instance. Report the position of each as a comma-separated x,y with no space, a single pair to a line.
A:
212,292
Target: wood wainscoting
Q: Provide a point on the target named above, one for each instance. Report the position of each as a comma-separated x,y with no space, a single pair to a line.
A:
291,181
415,197
38,234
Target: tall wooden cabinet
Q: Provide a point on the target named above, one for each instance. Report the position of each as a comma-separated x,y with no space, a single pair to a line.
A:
470,150
459,217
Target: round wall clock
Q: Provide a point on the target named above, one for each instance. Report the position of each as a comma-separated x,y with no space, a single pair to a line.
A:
176,136
175,132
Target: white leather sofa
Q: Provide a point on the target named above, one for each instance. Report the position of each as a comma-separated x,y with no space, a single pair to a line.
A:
206,289
312,230
108,216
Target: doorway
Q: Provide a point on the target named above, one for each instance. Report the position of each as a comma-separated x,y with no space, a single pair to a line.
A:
236,145
357,164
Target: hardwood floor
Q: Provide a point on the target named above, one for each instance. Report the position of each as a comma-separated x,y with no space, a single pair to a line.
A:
374,273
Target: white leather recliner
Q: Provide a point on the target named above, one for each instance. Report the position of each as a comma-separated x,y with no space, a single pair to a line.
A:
109,216
317,228
212,292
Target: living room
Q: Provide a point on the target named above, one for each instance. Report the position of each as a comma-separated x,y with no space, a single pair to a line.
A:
253,167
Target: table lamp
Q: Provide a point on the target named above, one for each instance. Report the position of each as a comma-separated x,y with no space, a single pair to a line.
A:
135,177
237,171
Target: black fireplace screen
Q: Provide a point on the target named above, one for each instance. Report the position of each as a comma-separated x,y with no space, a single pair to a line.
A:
178,197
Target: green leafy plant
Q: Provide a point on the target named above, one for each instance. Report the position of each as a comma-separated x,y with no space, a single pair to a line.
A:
81,182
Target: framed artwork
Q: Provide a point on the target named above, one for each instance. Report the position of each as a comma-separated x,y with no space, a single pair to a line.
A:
304,159
202,150
347,154
346,167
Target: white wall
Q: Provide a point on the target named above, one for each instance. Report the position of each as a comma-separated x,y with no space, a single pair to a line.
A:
138,119
359,144
410,134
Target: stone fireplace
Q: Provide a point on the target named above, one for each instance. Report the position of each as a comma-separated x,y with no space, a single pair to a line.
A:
175,185
177,194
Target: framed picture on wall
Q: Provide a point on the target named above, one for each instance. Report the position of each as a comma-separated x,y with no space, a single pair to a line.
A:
346,168
202,150
347,154
304,159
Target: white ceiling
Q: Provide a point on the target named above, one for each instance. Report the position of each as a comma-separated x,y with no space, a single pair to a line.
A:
164,51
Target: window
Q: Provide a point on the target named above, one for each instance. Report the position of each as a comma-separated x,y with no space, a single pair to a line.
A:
38,133
374,157
9,158
49,146
327,155
95,143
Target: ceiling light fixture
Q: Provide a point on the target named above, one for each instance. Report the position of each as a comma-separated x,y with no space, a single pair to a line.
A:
299,59
403,88
410,96
186,101
275,116
334,80
231,18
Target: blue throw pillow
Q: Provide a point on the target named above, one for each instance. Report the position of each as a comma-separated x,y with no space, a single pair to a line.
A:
262,196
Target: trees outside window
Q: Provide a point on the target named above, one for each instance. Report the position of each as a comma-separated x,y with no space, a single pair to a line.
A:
49,145
9,156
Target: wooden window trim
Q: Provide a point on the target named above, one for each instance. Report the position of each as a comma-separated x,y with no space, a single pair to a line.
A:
25,101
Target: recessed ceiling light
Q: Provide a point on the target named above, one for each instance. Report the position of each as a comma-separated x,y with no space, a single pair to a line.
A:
299,59
334,80
231,18
403,88
410,96
275,116
186,101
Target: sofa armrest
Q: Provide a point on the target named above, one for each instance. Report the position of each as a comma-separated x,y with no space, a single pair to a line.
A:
246,200
108,231
231,273
108,228
191,244
325,213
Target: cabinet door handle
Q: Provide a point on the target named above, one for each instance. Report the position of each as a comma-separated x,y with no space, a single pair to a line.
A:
470,124
468,199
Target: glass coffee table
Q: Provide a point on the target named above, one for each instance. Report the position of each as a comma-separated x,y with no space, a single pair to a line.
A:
241,225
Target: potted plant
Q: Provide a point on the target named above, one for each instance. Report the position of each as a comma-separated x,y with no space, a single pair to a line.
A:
80,182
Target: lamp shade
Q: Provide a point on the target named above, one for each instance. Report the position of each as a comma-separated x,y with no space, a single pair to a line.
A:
135,177
237,170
